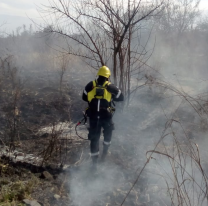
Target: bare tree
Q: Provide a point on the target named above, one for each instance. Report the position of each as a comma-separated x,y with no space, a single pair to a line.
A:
10,90
175,28
105,32
62,63
179,16
202,24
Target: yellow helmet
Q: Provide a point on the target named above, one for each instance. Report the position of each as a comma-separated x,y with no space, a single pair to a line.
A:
104,71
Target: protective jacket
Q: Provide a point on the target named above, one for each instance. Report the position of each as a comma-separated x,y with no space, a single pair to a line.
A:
99,94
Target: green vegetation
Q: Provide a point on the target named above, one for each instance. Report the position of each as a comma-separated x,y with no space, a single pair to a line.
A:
12,193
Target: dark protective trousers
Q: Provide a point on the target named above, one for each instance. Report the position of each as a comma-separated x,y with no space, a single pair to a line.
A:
95,131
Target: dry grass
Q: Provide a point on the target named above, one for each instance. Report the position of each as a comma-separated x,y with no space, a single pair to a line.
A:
177,157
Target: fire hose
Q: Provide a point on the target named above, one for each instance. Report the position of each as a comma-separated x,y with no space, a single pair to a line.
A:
84,120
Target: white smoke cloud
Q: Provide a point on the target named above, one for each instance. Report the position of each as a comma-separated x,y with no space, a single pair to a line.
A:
88,187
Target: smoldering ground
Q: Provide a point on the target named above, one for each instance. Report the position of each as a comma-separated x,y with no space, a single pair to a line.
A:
138,130
88,187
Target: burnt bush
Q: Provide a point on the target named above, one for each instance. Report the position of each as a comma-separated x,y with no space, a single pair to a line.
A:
24,108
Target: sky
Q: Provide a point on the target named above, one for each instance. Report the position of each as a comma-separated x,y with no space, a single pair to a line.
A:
15,13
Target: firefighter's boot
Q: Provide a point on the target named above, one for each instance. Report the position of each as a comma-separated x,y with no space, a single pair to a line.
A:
105,152
94,163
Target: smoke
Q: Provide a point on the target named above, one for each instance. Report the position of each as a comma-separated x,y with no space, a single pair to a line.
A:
182,68
138,129
89,187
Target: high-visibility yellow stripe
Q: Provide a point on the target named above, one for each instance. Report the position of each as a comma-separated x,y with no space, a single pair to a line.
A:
107,95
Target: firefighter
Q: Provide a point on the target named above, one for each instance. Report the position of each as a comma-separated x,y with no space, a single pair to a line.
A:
100,95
